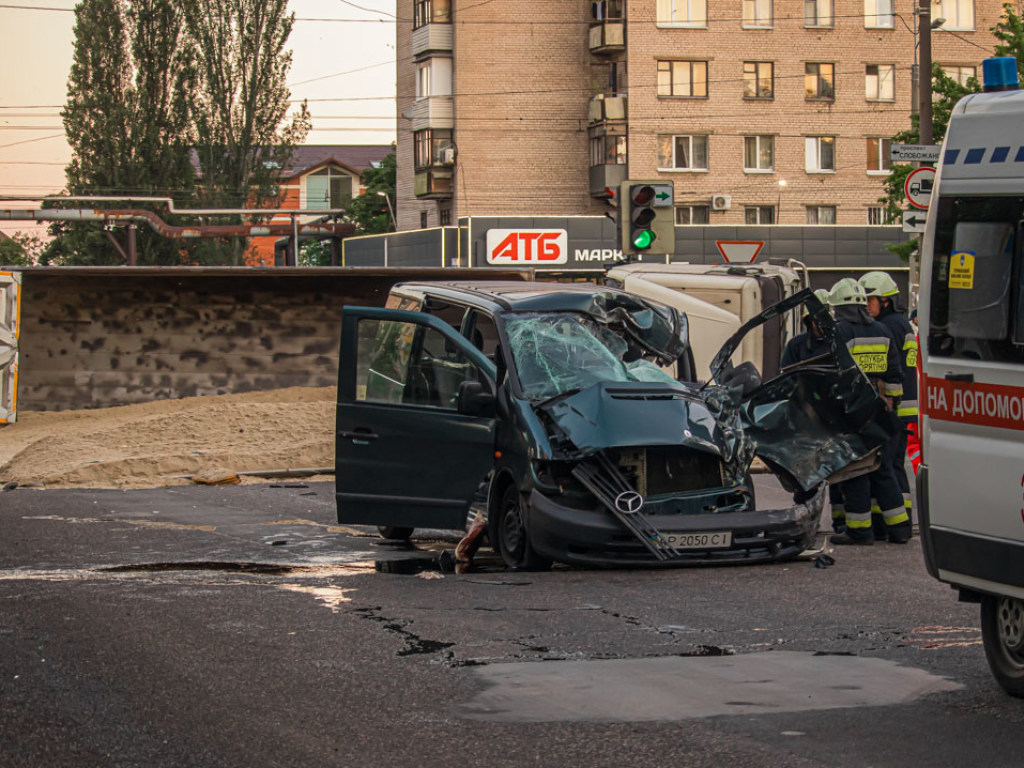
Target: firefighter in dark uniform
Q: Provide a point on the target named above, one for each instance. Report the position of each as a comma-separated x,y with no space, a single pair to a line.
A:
810,343
874,349
882,293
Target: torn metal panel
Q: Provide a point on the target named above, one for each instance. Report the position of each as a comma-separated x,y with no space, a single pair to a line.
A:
819,421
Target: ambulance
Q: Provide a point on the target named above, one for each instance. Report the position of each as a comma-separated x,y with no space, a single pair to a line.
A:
971,319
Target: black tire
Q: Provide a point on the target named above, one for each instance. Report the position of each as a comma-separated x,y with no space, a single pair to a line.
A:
396,532
513,539
1002,631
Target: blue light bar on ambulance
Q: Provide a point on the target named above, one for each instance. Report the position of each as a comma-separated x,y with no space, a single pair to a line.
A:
1000,73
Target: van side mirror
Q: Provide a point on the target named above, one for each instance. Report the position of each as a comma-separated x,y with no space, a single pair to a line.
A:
476,399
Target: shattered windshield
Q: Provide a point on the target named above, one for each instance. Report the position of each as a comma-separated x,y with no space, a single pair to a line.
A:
559,352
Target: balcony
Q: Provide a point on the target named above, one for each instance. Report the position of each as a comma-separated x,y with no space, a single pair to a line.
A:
431,38
605,177
607,37
605,109
434,183
432,112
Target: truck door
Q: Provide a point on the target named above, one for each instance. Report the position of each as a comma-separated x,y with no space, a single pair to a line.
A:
410,446
10,308
972,394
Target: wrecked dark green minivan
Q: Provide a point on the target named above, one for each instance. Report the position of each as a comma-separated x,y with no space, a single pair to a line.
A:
570,411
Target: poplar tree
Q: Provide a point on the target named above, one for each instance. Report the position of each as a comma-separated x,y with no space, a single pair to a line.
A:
128,121
244,136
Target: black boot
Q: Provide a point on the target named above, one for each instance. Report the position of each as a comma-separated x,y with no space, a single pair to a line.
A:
900,534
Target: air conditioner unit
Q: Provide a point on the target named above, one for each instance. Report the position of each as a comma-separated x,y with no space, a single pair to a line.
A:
448,156
721,202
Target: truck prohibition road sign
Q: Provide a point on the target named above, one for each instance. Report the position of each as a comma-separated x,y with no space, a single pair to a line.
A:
918,187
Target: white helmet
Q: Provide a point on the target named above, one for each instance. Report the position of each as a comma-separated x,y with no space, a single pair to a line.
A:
847,292
822,296
879,284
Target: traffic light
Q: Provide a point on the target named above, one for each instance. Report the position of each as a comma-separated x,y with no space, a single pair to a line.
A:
647,217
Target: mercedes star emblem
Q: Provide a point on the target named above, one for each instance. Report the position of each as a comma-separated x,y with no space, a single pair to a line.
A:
629,502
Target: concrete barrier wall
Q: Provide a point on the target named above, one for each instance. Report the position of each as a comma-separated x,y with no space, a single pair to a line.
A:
94,337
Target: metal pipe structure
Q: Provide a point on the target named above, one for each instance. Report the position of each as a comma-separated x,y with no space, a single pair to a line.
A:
184,211
114,216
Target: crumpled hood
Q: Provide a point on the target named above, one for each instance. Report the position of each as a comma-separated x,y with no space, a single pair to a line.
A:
611,415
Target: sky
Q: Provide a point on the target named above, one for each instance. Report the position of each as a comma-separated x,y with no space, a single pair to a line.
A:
343,62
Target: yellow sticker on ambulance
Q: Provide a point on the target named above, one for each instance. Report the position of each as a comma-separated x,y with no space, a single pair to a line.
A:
961,270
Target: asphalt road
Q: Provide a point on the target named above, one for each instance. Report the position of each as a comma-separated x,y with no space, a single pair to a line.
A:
241,626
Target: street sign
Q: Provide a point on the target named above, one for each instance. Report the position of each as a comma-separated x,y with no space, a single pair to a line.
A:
739,250
914,153
913,221
918,187
662,196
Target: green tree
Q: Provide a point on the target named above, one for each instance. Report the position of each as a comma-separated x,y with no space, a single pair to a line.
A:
369,212
1009,30
128,120
243,134
20,250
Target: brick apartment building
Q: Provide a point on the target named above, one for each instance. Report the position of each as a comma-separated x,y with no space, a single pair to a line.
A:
760,111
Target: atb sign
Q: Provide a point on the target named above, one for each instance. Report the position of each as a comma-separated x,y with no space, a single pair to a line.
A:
527,246
918,187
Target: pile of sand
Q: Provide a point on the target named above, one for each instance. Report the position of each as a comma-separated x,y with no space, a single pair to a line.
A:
141,446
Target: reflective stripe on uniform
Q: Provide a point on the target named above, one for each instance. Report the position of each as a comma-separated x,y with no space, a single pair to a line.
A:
895,516
892,389
907,408
858,520
908,503
870,352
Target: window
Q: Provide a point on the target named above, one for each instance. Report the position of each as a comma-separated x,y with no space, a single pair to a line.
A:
878,14
977,289
683,78
876,216
960,74
759,214
606,10
757,13
434,78
427,146
444,217
431,12
423,219
693,214
758,80
820,154
879,82
819,13
690,13
328,188
959,14
821,214
758,153
878,155
819,81
409,364
608,150
686,153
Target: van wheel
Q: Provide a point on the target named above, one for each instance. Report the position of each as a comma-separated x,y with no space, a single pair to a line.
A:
513,538
1002,631
395,532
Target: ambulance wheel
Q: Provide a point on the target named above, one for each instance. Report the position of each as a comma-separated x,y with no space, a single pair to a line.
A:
396,532
513,538
1002,631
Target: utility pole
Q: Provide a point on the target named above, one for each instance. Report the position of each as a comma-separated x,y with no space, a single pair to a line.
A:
924,71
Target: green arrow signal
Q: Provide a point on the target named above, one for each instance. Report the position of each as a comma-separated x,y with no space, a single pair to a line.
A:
662,195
